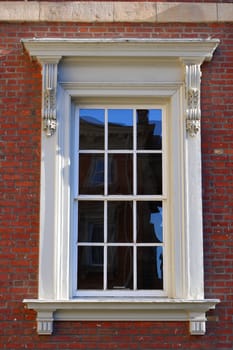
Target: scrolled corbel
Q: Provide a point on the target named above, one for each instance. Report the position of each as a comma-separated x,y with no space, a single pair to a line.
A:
49,92
193,109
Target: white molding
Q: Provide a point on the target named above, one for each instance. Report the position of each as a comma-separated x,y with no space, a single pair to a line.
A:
122,309
120,90
45,320
193,105
184,285
194,50
49,93
197,324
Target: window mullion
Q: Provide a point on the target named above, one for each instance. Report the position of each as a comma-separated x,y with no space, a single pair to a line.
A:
105,243
105,153
134,153
105,194
76,156
75,203
135,247
134,202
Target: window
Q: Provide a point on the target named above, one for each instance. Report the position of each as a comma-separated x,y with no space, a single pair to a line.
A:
121,208
120,202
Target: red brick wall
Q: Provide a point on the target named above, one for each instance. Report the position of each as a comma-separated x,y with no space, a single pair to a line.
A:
20,94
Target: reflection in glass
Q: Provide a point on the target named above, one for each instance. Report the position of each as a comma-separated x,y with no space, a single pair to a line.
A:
149,129
90,221
91,129
150,268
149,222
120,129
149,174
91,174
120,176
90,267
120,268
120,221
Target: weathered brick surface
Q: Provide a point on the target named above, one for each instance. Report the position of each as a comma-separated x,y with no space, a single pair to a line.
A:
20,98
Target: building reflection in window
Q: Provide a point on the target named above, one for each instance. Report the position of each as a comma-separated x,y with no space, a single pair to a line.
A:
149,129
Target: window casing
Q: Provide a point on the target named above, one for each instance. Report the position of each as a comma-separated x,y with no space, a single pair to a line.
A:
164,73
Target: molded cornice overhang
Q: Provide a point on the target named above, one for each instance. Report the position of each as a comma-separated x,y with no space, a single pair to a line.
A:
115,11
187,50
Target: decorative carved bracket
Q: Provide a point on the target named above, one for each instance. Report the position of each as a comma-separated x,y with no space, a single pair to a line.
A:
197,323
49,92
49,98
45,321
193,109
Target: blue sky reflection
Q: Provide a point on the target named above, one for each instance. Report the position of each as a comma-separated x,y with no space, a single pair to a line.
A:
93,116
155,117
122,117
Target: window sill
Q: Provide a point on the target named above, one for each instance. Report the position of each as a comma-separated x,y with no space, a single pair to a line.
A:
121,309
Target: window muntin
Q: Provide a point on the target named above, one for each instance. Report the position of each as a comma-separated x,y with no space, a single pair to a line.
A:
120,201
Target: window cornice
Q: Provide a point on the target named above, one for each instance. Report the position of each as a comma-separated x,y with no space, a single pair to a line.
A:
190,52
194,50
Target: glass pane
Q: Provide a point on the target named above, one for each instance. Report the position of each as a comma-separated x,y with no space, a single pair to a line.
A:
90,221
149,222
120,129
90,267
149,174
120,174
120,222
150,268
149,129
91,174
120,268
91,129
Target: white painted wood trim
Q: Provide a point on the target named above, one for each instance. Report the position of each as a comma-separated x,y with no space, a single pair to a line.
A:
108,309
185,289
114,11
193,51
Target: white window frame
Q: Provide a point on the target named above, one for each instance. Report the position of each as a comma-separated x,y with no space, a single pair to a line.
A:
181,97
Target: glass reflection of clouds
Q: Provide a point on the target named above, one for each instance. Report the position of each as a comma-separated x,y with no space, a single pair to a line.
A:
157,220
122,117
93,116
155,117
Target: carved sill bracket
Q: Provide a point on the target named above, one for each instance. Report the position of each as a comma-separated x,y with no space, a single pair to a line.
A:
45,321
193,109
197,324
49,92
